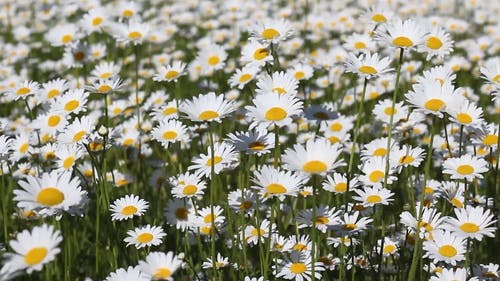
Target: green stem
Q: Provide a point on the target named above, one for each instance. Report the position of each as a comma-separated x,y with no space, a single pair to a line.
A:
212,199
276,146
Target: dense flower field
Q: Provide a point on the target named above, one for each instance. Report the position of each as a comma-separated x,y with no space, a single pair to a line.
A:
249,140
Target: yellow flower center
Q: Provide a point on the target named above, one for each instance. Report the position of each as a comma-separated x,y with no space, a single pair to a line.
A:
333,139
208,114
389,111
260,53
53,120
189,189
169,135
276,114
322,220
298,268
447,251
71,105
300,247
490,140
336,127
209,218
469,227
129,210
349,226
359,45
213,60
169,110
23,91
171,74
314,166
496,78
105,75
389,249
96,21
407,159
280,90
379,18
428,227
373,199
245,77
276,188
340,187
104,88
465,169
181,213
53,93
162,273
144,237
380,152
78,136
68,162
457,203
257,232
434,104
402,41
270,33
464,118
366,69
134,35
35,255
24,147
257,146
376,176
216,160
67,38
50,196
127,13
299,75
434,43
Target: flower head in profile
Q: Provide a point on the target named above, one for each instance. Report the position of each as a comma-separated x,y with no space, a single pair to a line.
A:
207,108
401,34
272,31
367,65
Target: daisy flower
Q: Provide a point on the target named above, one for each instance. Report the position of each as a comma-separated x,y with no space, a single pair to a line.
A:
208,217
77,131
437,43
301,243
23,90
255,53
273,108
317,157
371,196
473,222
179,213
383,111
408,156
145,236
338,183
67,155
242,201
52,89
33,249
170,72
221,262
50,122
271,31
452,274
73,101
487,136
272,182
325,217
224,157
258,141
280,82
465,167
376,148
486,271
378,14
359,42
63,35
352,223
340,124
51,193
445,247
374,172
243,76
212,58
206,108
367,65
160,266
491,70
105,86
430,221
129,274
106,70
165,112
188,185
466,113
252,233
401,34
95,20
132,32
298,266
301,71
433,96
127,207
169,131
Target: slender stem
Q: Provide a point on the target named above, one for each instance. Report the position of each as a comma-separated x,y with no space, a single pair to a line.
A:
316,181
276,146
355,140
212,199
391,118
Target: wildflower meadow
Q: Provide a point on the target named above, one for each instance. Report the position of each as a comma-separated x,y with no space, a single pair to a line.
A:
201,140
